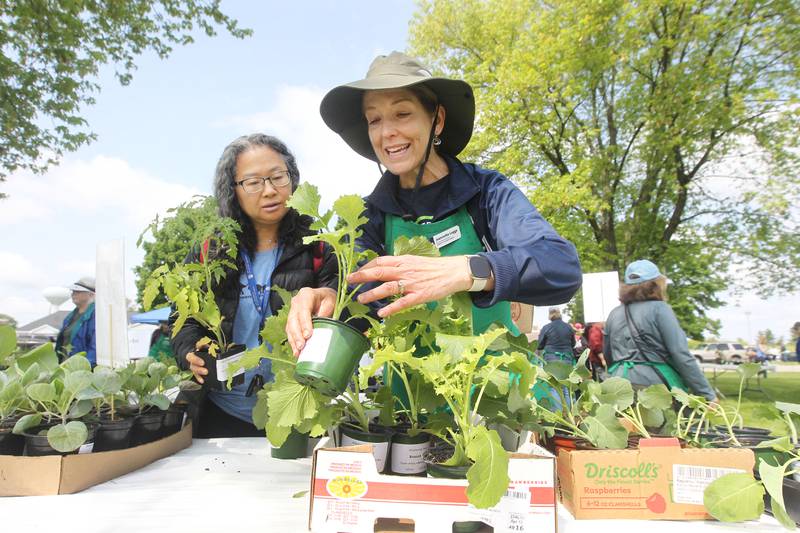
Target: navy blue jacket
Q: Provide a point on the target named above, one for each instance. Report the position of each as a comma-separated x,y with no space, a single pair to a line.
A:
557,336
530,261
84,339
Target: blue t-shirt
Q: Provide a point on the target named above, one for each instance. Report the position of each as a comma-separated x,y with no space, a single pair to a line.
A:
246,327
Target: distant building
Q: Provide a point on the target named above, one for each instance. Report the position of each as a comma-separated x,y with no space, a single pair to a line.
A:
40,331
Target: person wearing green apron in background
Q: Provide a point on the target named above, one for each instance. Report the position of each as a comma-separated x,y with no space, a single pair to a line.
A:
160,347
646,344
493,241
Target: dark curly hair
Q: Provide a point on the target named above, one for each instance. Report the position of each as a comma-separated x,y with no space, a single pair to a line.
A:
655,289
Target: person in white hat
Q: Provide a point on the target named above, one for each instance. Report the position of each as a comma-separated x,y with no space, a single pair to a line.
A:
492,240
77,334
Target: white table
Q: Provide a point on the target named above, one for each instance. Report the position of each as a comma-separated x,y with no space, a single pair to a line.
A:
233,485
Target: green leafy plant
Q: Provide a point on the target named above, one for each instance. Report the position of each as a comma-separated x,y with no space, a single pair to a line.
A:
341,234
190,286
460,371
740,496
144,384
63,400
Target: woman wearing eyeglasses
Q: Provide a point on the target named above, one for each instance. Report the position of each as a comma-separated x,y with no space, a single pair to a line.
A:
255,176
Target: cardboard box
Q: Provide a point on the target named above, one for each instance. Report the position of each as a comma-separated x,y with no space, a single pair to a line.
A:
349,495
66,474
659,481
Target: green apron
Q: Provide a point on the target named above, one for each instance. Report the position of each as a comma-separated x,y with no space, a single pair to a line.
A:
467,244
667,373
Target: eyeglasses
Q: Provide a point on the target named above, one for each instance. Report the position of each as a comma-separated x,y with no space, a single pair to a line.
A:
256,184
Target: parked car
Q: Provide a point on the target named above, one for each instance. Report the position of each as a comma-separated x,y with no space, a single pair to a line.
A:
720,352
752,355
788,356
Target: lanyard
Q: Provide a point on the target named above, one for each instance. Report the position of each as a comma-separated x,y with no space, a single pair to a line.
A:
261,304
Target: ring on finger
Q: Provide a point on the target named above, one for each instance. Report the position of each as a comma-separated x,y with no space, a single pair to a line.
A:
401,287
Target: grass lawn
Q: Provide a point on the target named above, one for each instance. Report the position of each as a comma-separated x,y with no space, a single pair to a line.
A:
758,407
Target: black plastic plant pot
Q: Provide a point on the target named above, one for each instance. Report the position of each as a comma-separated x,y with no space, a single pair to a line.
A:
174,418
217,377
36,443
295,447
791,499
147,427
406,457
380,442
10,444
770,456
743,431
113,434
330,356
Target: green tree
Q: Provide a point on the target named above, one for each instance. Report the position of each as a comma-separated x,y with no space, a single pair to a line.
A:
50,53
616,115
171,239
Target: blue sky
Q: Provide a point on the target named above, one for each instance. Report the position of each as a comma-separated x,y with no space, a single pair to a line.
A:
160,137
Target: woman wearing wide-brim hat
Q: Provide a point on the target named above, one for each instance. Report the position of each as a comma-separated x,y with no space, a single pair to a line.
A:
492,240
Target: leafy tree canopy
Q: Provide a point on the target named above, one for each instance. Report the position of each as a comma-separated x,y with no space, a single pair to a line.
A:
617,116
50,53
171,239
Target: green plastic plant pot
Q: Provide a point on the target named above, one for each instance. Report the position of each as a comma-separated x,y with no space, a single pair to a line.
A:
294,447
380,443
406,456
330,357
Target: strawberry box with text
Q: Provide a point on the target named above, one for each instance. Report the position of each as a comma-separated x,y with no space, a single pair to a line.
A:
349,495
658,481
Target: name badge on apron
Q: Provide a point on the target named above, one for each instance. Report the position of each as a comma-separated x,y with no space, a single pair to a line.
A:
447,236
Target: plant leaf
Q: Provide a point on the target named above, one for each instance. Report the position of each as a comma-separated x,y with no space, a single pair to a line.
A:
734,498
305,200
417,245
781,444
75,382
8,341
27,422
617,392
604,429
41,392
772,479
44,354
655,397
67,437
75,363
748,370
488,475
79,409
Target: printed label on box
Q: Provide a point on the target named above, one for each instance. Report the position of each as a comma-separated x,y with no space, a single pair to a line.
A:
690,481
316,349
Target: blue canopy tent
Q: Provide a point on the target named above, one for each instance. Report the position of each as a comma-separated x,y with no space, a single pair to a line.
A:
152,317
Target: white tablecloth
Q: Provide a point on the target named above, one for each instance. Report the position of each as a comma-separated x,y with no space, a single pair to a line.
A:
233,485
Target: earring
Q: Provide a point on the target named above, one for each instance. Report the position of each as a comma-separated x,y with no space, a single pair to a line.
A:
436,140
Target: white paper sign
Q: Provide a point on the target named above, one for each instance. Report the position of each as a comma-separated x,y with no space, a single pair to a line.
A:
600,295
111,317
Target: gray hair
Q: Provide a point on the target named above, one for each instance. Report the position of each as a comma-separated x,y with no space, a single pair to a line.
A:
225,174
224,186
554,313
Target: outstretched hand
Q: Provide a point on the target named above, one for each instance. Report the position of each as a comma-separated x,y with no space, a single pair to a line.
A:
415,279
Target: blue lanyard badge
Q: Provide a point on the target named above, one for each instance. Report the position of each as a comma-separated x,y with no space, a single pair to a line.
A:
259,303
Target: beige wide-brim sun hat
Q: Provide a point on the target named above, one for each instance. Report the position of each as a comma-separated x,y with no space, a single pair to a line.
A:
342,111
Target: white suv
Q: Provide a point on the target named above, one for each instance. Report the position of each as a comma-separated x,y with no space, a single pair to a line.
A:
720,352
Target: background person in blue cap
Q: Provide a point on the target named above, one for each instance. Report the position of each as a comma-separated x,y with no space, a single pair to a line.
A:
646,344
77,332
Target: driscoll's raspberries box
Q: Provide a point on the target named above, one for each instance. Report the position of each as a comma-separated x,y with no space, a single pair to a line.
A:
660,480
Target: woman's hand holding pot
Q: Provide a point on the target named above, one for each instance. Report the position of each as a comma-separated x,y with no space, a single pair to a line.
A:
306,303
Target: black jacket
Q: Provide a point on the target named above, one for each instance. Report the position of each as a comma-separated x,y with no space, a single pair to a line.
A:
295,270
557,336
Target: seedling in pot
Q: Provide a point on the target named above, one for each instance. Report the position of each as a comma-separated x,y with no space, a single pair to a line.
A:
330,357
190,287
64,400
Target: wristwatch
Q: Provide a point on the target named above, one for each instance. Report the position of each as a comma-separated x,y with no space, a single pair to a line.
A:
481,272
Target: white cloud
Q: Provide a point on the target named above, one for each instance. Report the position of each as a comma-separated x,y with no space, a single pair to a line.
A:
52,223
323,157
19,270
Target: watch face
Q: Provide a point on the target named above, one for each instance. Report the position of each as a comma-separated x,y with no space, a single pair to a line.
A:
480,267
